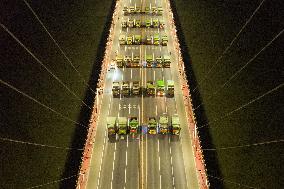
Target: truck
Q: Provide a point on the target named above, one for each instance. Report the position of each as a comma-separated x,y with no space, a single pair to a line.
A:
136,88
149,40
170,88
175,125
156,23
125,10
149,60
166,61
148,23
154,10
136,62
150,88
130,23
122,125
138,9
133,125
159,61
124,24
160,11
127,61
132,9
147,10
115,89
164,40
164,124
160,88
137,39
162,24
125,88
152,126
138,23
156,39
111,126
129,40
119,61
122,40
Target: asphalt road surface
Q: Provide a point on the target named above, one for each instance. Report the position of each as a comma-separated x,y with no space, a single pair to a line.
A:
142,161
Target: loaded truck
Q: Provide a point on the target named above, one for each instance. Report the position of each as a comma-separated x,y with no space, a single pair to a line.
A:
111,126
119,61
149,60
125,88
133,125
130,23
136,62
164,124
156,39
122,125
152,125
148,23
137,39
127,61
167,61
115,89
122,40
159,62
160,87
129,40
164,40
160,11
138,23
155,23
136,88
170,88
175,126
149,40
150,88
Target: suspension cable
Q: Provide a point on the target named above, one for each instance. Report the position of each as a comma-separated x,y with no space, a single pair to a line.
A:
41,104
230,45
53,182
242,106
57,45
243,146
48,70
37,144
243,67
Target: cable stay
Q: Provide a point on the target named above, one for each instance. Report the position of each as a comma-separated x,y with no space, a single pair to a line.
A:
58,46
230,45
48,70
41,104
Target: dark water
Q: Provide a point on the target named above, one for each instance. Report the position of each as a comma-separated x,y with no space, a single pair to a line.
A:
240,112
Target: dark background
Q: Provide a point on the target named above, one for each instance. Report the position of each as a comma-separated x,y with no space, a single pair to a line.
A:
205,29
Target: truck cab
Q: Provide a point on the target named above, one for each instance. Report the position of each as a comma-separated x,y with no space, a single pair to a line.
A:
160,11
124,24
125,88
154,10
152,126
162,24
136,62
156,23
147,10
148,23
122,40
149,60
132,9
111,126
159,61
127,61
125,10
115,89
136,88
175,126
164,124
164,40
119,61
149,40
138,23
150,88
129,40
122,125
130,23
156,39
170,88
160,88
133,125
137,39
167,61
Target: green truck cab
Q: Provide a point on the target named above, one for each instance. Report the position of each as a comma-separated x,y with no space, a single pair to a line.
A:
155,23
137,39
160,88
156,39
133,125
148,23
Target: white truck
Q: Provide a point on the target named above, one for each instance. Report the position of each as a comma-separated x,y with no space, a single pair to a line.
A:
164,124
175,126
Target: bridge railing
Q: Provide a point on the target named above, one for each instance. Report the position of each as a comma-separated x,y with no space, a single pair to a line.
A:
191,120
88,147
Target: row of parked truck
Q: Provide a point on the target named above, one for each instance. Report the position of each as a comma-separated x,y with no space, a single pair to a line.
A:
138,10
138,39
158,88
130,125
135,62
148,23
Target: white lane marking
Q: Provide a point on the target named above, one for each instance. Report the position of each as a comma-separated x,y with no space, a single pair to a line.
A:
160,181
125,175
125,48
166,108
156,110
160,49
154,75
131,73
129,107
127,143
120,31
172,170
113,157
171,160
114,146
126,158
159,163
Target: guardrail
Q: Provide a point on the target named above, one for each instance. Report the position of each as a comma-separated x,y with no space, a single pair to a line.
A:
88,148
198,153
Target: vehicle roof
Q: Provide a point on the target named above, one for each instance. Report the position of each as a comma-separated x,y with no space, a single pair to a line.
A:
170,82
175,120
160,82
111,120
122,119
